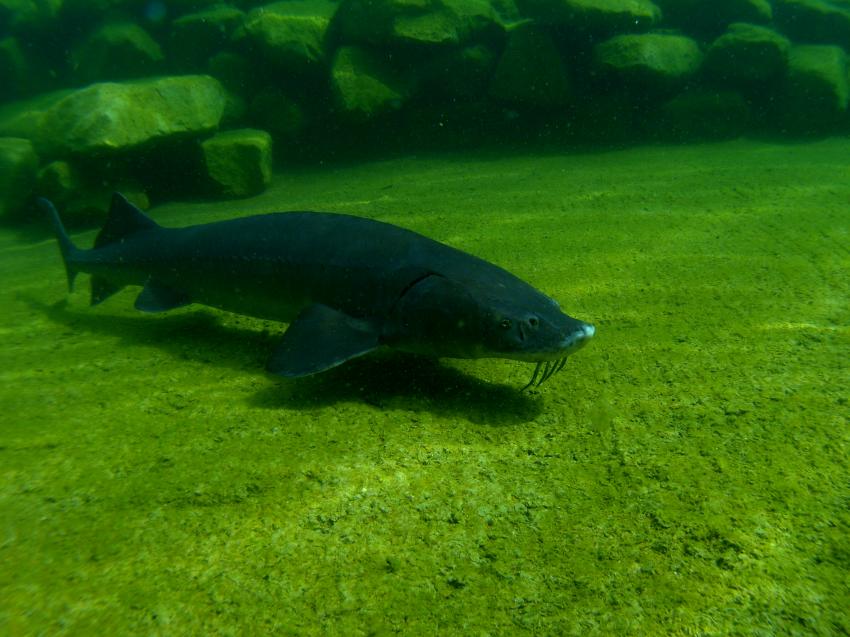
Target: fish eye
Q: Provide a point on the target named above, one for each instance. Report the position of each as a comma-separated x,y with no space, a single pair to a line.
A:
505,324
533,321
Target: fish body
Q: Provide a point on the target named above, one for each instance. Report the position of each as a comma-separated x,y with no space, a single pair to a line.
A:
346,285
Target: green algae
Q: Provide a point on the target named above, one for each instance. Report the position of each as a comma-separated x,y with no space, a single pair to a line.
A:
687,473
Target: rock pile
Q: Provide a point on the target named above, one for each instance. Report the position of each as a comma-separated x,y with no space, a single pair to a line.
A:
186,97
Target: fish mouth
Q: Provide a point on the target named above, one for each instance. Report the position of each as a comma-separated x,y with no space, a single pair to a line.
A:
547,367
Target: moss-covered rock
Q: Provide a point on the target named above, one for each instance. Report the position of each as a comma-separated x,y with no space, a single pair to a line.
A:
88,203
457,72
654,58
817,89
14,70
117,51
814,21
712,17
608,16
114,117
18,166
451,22
276,112
239,162
704,114
58,181
417,22
154,12
747,55
18,16
364,84
235,72
197,37
531,71
290,34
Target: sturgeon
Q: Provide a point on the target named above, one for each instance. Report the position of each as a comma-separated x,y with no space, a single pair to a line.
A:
346,285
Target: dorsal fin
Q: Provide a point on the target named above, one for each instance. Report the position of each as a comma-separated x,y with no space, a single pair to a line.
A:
124,220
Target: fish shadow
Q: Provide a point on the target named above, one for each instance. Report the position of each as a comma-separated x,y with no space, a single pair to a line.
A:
392,380
385,379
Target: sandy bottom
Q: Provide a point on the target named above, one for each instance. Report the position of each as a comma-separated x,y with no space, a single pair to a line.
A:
687,472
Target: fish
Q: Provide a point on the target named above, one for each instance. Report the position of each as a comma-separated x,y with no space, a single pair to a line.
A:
346,285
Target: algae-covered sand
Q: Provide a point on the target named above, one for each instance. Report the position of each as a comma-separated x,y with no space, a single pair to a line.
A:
687,472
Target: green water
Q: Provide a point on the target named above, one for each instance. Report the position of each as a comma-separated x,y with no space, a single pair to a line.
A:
686,474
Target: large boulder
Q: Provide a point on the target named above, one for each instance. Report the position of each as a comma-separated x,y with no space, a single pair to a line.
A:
747,55
14,70
290,34
427,23
458,72
59,181
703,114
18,16
18,169
817,89
239,162
814,21
606,16
115,117
712,17
365,85
117,51
273,110
197,37
153,11
84,192
531,71
656,59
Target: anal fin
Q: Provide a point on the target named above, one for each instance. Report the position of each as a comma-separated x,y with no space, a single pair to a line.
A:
321,338
157,297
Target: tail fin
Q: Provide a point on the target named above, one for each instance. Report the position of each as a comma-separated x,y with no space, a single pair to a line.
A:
66,247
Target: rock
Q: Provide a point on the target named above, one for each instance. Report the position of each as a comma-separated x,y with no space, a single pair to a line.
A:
274,111
239,162
426,23
451,22
653,58
814,21
457,72
23,118
531,71
702,114
291,34
747,55
84,198
234,71
197,37
20,16
18,166
364,84
712,17
58,181
115,52
89,204
154,12
605,16
114,117
817,88
14,73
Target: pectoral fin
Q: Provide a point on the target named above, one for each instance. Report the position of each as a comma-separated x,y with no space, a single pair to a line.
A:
321,338
156,297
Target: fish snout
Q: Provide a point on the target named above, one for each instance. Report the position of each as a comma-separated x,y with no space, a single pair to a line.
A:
578,338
